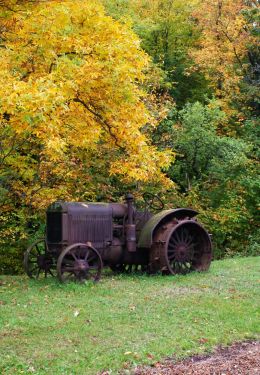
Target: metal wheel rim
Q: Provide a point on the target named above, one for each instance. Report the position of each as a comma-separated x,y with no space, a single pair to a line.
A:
37,261
182,248
79,262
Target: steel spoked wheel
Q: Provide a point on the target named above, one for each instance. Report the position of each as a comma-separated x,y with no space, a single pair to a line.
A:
181,251
79,262
188,248
37,261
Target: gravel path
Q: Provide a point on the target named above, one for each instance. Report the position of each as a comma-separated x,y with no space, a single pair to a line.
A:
238,359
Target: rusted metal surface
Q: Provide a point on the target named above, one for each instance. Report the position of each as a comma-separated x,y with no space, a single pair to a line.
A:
79,262
155,221
38,261
81,237
181,247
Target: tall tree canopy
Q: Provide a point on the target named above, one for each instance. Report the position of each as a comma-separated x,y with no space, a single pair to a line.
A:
71,80
167,32
222,51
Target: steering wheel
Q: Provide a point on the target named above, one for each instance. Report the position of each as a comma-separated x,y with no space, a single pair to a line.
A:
153,201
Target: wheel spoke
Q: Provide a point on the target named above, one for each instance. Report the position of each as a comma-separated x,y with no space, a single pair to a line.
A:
174,240
172,256
190,246
175,266
177,237
74,256
91,258
51,273
37,248
189,240
38,273
178,266
181,268
185,235
86,255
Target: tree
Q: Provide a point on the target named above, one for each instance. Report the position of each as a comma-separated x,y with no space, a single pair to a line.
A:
167,33
71,81
71,102
222,50
213,174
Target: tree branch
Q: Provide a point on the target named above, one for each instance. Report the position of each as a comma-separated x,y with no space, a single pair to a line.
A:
100,119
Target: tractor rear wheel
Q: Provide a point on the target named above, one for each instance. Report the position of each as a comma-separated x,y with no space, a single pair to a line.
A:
180,247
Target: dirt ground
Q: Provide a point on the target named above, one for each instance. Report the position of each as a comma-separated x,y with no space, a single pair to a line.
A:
238,359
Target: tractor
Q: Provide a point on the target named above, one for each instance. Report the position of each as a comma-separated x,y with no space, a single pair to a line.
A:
81,238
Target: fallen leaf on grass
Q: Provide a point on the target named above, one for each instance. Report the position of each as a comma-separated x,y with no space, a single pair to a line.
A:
125,364
202,340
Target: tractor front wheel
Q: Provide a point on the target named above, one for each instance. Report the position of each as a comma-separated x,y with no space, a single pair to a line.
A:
79,262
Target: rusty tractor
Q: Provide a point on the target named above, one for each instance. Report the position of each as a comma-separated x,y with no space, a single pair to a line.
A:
81,238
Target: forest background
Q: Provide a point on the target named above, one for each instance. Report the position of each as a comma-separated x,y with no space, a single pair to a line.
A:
98,98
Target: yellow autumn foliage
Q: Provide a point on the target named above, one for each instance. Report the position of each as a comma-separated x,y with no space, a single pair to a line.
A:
223,44
71,80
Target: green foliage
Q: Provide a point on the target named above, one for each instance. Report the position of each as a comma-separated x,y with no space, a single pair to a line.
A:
254,243
214,174
202,154
168,32
251,84
18,229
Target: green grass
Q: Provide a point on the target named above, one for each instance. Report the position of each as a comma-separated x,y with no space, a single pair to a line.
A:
125,320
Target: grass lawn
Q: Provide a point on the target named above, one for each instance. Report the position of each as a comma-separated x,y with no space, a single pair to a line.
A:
49,328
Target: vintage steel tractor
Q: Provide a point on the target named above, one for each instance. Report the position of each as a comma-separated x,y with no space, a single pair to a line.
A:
81,238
